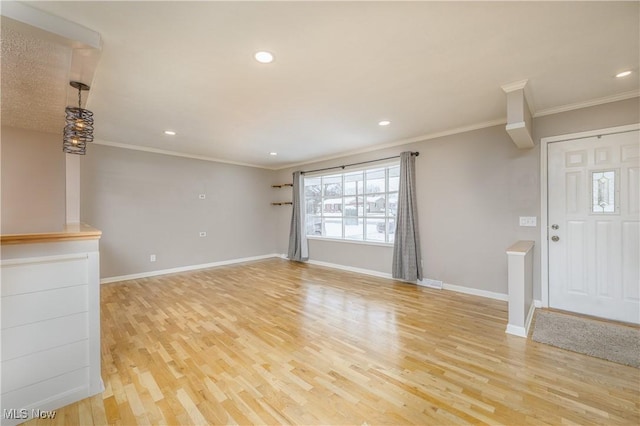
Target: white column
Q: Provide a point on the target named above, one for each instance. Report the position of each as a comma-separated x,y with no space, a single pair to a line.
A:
519,115
520,272
72,166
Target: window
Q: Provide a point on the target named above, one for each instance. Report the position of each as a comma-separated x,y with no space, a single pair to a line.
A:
603,191
356,205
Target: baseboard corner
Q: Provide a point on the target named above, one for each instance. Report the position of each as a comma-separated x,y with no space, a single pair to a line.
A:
516,330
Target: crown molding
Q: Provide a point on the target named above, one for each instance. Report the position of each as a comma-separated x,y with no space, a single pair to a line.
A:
174,153
425,137
586,104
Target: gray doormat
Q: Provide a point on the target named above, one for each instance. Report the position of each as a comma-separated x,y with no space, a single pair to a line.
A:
600,339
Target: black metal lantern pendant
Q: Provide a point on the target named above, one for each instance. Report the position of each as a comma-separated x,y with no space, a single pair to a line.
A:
78,129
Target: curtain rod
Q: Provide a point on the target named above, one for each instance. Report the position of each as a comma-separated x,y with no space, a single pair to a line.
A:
415,154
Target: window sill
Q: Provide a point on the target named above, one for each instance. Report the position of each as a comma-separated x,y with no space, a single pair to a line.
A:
363,243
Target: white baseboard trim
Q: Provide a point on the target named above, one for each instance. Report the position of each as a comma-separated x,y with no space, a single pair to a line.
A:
516,330
537,303
429,283
476,292
527,323
524,331
185,268
445,286
351,269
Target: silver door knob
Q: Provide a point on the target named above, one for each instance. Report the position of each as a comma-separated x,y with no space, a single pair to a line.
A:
555,238
554,226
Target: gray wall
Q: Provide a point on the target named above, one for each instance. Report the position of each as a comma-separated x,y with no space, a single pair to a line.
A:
147,203
33,181
593,118
472,189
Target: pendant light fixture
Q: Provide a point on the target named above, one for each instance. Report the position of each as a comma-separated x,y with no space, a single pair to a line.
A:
78,129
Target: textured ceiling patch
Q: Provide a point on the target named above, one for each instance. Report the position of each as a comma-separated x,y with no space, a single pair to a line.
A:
35,74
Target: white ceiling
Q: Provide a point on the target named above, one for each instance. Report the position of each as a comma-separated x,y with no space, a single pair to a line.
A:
340,67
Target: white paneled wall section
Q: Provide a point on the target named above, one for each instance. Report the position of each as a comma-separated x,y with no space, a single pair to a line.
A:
50,322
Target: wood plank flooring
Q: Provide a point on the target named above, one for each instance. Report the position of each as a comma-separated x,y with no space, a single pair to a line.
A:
277,342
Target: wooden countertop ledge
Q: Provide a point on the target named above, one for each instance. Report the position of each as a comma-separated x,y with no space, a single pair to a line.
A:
521,247
70,232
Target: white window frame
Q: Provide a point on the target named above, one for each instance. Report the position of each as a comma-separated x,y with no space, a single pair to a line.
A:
389,219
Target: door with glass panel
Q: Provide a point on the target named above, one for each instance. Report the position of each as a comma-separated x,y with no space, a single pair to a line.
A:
594,226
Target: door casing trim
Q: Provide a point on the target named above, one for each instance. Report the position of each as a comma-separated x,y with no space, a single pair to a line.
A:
544,200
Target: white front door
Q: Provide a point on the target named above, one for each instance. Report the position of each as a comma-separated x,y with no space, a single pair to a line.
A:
594,226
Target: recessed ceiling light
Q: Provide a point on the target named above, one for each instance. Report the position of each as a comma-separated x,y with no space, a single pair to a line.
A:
264,57
169,132
384,123
273,153
623,74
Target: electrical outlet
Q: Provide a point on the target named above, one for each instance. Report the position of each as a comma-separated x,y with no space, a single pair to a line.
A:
528,221
202,196
152,258
203,234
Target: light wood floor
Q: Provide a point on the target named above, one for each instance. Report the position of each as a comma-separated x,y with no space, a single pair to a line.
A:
276,342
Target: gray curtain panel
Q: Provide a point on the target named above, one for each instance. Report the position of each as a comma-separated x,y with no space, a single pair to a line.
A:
407,264
298,246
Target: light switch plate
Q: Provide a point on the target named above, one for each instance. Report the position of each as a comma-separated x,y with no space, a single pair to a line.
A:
528,221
